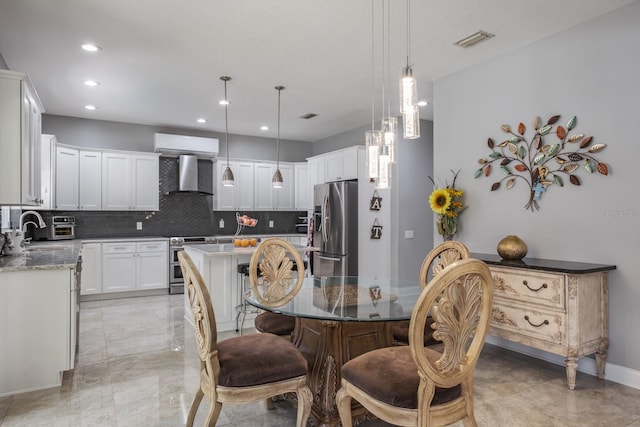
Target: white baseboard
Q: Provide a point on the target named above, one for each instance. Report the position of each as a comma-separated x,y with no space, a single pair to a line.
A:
587,365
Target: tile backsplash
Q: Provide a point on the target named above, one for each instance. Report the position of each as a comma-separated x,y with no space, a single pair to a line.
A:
180,214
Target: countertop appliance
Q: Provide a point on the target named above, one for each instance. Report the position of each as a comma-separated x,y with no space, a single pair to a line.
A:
177,244
58,228
302,225
335,233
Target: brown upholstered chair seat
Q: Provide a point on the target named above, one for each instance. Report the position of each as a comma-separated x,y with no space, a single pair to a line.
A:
400,331
397,380
254,359
275,323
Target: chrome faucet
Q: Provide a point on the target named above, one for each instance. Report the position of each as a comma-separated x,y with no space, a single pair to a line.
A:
41,223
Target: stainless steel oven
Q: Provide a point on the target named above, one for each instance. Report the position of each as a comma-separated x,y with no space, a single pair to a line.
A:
177,244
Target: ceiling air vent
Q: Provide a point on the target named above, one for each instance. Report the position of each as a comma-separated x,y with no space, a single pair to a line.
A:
474,38
308,116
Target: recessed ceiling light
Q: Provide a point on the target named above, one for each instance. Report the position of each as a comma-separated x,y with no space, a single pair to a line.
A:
224,102
91,83
264,127
202,120
90,107
90,47
422,103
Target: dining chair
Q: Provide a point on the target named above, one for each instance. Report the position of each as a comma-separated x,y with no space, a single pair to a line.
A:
267,283
416,385
242,369
437,259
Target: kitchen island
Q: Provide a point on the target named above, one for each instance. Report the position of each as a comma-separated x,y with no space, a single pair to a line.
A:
38,316
218,265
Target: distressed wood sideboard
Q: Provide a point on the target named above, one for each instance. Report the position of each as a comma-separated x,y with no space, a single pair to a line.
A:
557,306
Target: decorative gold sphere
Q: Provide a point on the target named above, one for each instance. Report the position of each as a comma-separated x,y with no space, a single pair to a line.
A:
512,248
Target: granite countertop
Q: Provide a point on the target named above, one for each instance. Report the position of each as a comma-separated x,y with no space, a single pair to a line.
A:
43,256
62,254
567,267
229,249
124,239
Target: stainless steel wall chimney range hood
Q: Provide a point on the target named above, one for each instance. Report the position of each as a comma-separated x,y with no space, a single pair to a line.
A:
188,176
188,149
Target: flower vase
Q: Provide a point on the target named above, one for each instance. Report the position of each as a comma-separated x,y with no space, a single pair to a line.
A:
447,237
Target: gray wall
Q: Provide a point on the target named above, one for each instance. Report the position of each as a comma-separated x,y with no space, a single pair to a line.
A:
341,140
588,71
3,64
411,202
127,136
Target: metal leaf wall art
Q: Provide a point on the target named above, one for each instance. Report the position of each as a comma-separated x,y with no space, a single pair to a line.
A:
540,163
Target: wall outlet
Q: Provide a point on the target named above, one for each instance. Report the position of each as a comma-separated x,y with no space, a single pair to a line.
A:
408,234
271,224
221,223
139,225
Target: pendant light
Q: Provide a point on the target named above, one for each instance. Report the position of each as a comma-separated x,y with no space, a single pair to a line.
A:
409,92
276,181
388,124
227,177
372,137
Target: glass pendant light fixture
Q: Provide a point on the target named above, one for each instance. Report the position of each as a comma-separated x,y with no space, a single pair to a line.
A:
227,177
276,181
372,137
409,92
388,124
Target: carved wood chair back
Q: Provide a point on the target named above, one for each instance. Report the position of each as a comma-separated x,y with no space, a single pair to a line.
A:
440,257
276,272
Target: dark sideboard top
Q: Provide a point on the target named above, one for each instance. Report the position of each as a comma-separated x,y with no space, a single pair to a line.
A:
568,267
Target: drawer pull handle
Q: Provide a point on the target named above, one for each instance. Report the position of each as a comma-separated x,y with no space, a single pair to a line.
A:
545,322
544,286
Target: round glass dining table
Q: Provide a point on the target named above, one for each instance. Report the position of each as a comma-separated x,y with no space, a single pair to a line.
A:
349,298
337,319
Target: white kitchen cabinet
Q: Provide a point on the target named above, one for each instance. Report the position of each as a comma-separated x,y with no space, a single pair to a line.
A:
130,181
66,178
116,181
90,180
303,197
152,259
240,196
78,179
118,267
37,328
91,277
269,198
20,134
145,182
47,171
316,175
134,266
342,165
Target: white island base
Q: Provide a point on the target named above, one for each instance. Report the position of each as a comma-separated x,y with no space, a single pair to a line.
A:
218,265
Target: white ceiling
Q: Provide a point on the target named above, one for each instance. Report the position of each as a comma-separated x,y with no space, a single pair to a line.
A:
161,60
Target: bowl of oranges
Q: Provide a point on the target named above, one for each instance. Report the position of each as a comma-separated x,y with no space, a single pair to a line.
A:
244,243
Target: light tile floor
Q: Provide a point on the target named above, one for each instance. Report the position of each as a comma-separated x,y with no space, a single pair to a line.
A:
137,366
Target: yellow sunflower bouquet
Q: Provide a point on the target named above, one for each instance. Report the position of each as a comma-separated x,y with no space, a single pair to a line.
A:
446,204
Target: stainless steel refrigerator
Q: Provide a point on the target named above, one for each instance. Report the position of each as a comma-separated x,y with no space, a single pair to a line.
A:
335,229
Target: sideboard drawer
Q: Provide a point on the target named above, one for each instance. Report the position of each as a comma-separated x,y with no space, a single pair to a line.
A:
537,323
531,287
